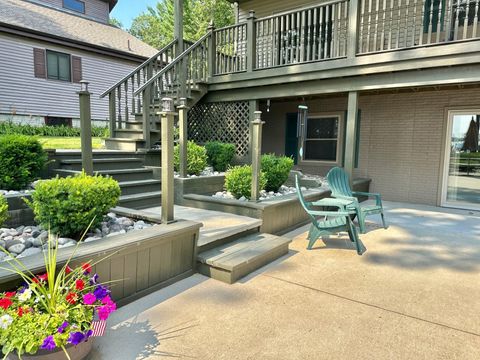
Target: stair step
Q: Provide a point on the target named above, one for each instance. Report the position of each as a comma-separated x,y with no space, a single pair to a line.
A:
140,186
234,260
119,175
103,164
135,134
124,144
141,201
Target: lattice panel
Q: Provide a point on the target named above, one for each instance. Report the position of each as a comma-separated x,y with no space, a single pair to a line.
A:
224,121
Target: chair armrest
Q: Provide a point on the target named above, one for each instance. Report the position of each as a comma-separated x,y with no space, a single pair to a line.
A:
330,213
377,196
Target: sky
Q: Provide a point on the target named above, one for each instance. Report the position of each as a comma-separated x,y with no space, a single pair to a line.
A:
127,10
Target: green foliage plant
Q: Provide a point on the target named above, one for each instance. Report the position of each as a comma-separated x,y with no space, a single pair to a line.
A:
196,158
21,160
68,205
9,128
220,155
238,181
52,311
276,169
3,210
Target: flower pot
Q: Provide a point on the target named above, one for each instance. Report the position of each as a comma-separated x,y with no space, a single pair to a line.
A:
78,352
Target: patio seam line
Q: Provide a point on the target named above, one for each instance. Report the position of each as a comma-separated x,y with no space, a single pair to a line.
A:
373,306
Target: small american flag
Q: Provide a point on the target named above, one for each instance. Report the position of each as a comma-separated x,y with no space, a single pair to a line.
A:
98,327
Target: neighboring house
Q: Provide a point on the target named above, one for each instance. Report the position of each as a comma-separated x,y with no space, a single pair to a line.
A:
48,46
391,87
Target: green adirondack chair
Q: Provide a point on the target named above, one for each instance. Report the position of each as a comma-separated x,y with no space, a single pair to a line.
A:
340,185
333,221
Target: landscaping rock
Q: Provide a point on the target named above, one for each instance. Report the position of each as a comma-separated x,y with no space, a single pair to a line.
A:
29,252
35,233
43,236
17,248
92,238
37,242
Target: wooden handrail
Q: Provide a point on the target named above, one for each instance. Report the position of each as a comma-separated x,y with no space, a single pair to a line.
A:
172,64
289,12
138,68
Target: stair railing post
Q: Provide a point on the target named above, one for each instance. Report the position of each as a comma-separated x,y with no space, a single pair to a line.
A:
146,94
112,112
353,24
257,125
183,137
167,116
251,42
86,128
212,51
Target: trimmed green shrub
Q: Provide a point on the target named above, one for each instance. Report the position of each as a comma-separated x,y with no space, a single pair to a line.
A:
276,169
66,206
238,181
3,210
220,155
21,160
8,127
196,158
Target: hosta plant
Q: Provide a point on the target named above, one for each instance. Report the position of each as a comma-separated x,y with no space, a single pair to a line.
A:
54,310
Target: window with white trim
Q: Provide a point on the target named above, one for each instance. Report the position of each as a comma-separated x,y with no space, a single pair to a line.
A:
322,139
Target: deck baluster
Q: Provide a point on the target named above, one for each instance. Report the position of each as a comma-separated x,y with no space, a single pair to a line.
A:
456,21
465,21
475,20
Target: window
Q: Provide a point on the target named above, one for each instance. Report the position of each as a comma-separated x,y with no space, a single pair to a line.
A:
75,5
322,138
58,121
58,66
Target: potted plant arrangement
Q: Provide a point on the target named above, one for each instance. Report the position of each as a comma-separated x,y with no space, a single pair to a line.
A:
54,315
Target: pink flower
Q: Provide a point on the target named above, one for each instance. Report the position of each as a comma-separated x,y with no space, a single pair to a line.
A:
89,299
108,307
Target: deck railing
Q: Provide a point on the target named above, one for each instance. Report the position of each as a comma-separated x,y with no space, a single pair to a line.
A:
397,24
231,49
310,34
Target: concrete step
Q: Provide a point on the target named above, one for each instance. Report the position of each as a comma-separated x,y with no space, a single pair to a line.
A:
141,201
103,164
119,175
234,260
140,186
124,144
135,134
61,155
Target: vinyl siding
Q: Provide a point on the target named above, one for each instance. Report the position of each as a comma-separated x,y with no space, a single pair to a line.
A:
401,138
94,9
22,93
264,8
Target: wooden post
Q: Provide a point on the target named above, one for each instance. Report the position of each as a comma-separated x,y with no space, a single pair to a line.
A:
167,116
257,125
253,106
146,110
212,51
251,42
86,128
182,125
351,133
178,34
352,37
112,112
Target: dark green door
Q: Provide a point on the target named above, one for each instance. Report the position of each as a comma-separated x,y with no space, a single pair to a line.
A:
291,140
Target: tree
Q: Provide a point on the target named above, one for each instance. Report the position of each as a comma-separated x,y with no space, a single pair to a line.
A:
155,26
115,22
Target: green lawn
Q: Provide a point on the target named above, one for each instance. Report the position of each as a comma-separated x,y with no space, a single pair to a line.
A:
68,142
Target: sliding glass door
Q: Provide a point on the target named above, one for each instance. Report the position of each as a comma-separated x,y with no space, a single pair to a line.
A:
461,185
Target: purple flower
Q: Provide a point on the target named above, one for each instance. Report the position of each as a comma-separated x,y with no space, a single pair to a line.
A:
94,279
88,334
100,292
48,343
62,327
89,299
76,338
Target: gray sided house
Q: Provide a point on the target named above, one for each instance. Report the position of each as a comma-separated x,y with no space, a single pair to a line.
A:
392,90
48,46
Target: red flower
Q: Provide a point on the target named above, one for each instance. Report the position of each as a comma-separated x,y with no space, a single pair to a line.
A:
5,303
35,280
43,277
21,311
72,298
10,294
68,270
79,284
87,268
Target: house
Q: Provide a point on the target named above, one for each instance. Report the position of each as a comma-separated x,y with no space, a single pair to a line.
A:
48,46
391,87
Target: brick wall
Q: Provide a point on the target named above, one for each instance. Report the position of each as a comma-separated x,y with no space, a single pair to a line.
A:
401,138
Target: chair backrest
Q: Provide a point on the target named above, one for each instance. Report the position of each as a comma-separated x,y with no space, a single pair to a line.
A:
302,199
339,182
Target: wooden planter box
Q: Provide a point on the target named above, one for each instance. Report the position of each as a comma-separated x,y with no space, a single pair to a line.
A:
138,262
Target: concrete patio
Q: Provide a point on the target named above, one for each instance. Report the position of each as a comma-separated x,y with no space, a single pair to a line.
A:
413,295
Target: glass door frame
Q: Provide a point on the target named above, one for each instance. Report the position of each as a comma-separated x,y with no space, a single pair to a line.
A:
446,161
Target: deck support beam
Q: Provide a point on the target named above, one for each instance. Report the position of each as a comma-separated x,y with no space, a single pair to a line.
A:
351,133
180,47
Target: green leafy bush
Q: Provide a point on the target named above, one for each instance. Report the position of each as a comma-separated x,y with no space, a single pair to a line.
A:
68,205
276,169
21,160
3,210
238,181
196,158
9,127
220,155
